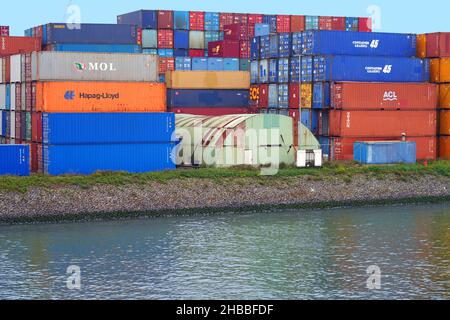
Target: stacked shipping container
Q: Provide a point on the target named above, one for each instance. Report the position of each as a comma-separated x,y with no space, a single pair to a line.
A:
212,93
71,83
437,47
307,74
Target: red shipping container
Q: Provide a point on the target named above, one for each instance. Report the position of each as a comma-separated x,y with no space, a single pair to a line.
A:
283,23
36,127
16,45
294,95
165,19
196,21
165,39
263,96
213,111
28,96
4,31
244,49
196,53
18,125
224,49
40,159
27,68
238,32
33,96
297,23
365,24
139,36
438,44
384,96
18,97
166,64
240,18
255,18
325,23
342,148
34,157
295,115
382,123
338,23
226,19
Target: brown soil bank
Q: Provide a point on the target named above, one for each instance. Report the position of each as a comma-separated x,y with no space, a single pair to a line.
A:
109,196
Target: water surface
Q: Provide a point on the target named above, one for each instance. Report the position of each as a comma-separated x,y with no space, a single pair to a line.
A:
294,254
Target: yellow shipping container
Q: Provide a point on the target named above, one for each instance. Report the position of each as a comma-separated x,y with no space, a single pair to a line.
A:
208,80
444,96
306,95
421,45
444,148
445,122
440,70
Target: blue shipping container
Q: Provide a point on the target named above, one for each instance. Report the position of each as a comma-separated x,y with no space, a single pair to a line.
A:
272,22
231,64
262,29
181,20
211,36
273,96
321,95
264,47
8,96
311,23
283,70
306,69
297,43
284,45
351,24
145,19
385,152
310,118
371,69
88,159
108,48
150,51
207,98
325,144
215,64
273,70
15,160
254,72
254,48
283,96
165,53
181,53
295,69
263,75
183,63
181,39
91,33
212,21
199,64
100,128
274,46
359,43
244,65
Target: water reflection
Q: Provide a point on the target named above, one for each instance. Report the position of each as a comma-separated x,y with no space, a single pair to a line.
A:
277,255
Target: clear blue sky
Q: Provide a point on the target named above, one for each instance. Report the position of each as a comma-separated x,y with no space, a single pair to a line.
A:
396,15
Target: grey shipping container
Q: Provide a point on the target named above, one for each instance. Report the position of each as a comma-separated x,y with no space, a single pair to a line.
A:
78,66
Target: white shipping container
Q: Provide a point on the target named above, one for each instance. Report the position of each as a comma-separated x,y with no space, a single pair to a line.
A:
2,96
80,66
13,96
16,68
196,40
12,124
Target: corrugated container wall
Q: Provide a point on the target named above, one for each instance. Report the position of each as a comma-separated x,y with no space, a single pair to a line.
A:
15,160
208,80
145,19
49,66
389,152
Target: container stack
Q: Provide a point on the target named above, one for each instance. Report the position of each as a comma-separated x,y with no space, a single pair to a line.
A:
437,47
81,102
211,93
347,86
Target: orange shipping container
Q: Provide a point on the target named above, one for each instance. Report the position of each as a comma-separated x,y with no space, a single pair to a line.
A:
208,80
445,122
422,46
100,97
440,70
383,123
444,147
444,96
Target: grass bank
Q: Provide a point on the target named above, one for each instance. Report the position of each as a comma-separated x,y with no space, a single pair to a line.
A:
347,171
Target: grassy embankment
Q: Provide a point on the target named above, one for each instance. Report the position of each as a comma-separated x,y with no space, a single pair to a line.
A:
346,171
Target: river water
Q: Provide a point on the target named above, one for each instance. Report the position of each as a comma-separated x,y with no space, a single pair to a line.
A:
295,254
